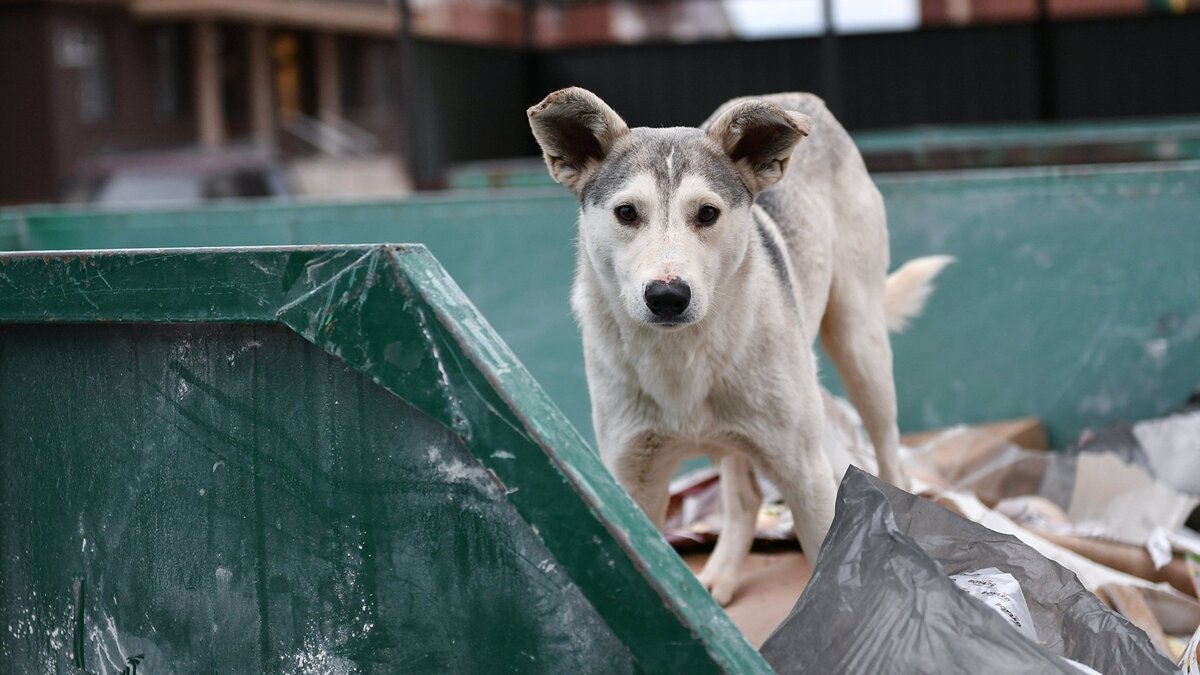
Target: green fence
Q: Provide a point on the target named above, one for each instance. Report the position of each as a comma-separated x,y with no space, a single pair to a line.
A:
942,148
308,460
1076,296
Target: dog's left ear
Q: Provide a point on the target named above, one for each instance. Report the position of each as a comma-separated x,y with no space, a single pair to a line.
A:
576,131
759,137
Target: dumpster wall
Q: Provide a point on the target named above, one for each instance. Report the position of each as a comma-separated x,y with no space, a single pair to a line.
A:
232,499
1076,296
308,460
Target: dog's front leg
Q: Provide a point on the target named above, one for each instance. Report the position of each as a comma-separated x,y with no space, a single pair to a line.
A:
740,499
643,465
796,463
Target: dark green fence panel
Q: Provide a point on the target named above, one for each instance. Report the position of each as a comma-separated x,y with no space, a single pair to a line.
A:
308,460
940,148
1075,298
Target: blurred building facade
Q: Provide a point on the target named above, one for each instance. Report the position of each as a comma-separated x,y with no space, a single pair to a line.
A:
86,78
310,79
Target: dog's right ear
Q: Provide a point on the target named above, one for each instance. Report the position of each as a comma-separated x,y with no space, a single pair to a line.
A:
576,131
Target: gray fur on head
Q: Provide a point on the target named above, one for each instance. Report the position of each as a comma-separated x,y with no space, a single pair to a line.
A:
576,131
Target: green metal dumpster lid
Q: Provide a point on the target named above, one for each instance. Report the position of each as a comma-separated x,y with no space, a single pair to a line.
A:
393,315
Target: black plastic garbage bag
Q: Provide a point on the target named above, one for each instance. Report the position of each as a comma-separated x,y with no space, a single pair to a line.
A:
881,600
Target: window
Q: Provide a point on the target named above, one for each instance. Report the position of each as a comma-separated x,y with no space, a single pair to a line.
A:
82,46
168,48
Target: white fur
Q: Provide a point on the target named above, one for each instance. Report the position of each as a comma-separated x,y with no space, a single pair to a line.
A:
737,379
906,292
909,287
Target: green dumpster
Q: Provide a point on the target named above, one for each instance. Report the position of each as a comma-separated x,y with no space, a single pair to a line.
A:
308,460
1076,296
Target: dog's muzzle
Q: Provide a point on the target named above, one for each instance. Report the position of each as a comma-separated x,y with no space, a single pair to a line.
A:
667,301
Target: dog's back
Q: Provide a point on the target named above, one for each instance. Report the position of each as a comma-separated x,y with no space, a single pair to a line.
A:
827,207
833,221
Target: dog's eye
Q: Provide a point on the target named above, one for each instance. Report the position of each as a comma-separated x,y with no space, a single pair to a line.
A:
707,215
626,213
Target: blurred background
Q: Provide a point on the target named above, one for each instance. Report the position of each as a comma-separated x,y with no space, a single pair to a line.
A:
121,101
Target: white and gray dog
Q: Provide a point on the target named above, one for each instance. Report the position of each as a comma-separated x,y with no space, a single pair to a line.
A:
706,271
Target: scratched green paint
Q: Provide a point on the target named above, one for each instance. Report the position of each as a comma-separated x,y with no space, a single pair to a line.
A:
235,500
391,493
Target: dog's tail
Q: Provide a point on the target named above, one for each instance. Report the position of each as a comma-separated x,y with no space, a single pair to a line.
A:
909,287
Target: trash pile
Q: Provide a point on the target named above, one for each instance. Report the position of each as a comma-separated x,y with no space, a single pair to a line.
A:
1084,560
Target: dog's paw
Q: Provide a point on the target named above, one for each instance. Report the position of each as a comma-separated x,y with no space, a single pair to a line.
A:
721,585
899,478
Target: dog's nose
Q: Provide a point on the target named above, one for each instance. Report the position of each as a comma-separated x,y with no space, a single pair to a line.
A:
668,300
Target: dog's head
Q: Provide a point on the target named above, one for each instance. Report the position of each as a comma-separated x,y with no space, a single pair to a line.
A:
665,212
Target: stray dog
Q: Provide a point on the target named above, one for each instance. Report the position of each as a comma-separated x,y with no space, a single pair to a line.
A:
706,270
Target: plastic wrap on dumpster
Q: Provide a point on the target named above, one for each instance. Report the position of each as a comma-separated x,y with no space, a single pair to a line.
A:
881,600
